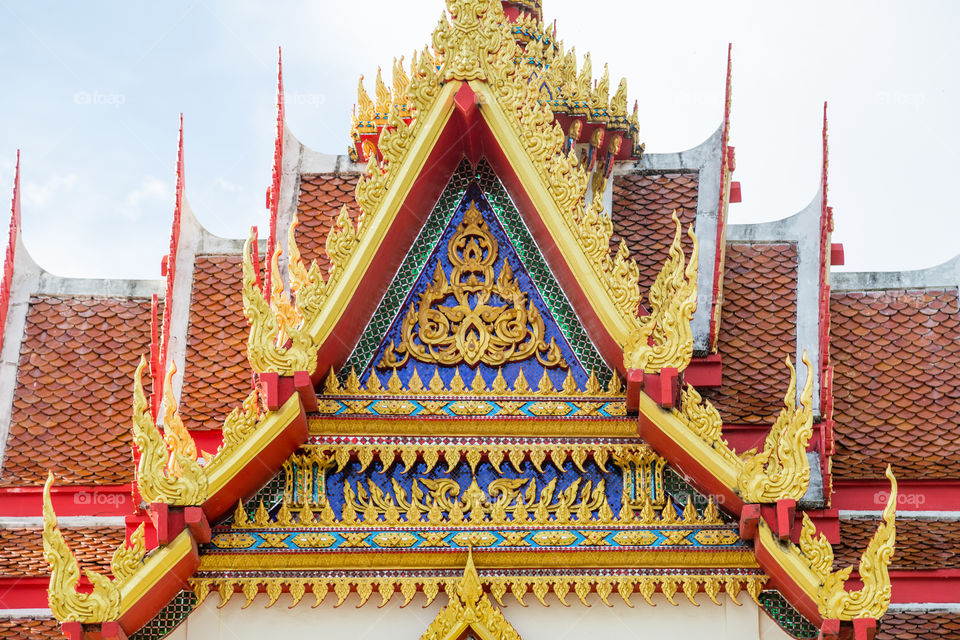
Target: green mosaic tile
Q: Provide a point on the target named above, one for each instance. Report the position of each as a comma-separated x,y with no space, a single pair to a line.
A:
169,618
554,297
412,266
789,619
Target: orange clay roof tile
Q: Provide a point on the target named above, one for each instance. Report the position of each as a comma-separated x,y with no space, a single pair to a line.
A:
921,544
30,629
217,375
917,625
896,357
71,406
21,550
321,197
757,331
642,207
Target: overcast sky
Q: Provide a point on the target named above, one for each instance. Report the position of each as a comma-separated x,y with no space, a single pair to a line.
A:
91,93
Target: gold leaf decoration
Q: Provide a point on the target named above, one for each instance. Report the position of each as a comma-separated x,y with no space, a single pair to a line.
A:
473,330
781,470
186,483
308,286
239,425
872,600
127,558
276,343
100,605
664,338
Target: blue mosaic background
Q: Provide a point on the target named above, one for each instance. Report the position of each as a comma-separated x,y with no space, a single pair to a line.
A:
532,369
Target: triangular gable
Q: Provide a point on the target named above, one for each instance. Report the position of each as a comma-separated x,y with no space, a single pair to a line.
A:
511,295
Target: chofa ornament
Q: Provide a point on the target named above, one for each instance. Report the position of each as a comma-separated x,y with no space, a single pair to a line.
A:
171,476
102,604
873,599
664,338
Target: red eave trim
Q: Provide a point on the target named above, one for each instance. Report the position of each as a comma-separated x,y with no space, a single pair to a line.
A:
27,502
24,592
913,495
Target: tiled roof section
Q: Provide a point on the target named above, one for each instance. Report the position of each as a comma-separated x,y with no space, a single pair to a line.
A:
322,195
758,323
217,375
30,629
921,544
643,204
71,407
21,550
915,625
896,357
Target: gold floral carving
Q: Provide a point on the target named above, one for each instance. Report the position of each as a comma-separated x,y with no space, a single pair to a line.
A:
178,440
127,558
102,604
664,338
308,286
703,419
872,600
582,587
278,341
184,482
238,426
781,470
473,330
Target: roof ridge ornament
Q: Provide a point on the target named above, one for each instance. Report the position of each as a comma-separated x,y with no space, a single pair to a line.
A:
182,483
664,338
781,471
873,599
278,340
102,604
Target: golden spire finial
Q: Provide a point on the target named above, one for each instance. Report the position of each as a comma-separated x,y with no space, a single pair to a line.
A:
186,483
781,470
365,107
664,338
384,99
100,605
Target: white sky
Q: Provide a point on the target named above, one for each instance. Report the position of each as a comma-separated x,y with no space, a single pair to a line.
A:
92,92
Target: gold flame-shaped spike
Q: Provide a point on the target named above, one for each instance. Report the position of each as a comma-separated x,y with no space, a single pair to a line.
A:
499,385
436,382
520,384
178,439
365,106
384,99
415,384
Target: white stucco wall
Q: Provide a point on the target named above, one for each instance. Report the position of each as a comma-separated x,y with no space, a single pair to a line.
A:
534,622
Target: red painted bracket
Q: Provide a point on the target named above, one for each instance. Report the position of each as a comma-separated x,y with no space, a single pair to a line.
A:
196,521
170,521
736,195
304,386
859,629
836,254
103,631
276,389
781,517
663,387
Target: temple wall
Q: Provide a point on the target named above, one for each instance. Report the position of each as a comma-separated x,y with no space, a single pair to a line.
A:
533,622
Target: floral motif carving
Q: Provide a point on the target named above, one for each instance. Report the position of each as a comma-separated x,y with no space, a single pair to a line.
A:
474,330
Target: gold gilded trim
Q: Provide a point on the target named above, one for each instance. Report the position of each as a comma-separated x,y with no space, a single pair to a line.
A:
580,584
305,561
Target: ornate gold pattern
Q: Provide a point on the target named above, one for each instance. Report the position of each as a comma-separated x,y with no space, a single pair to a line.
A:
178,440
781,470
239,425
100,605
469,608
126,558
472,330
582,586
872,600
183,483
479,386
664,338
704,420
278,341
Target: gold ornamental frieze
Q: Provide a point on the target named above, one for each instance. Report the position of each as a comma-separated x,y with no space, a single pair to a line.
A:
475,317
589,587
